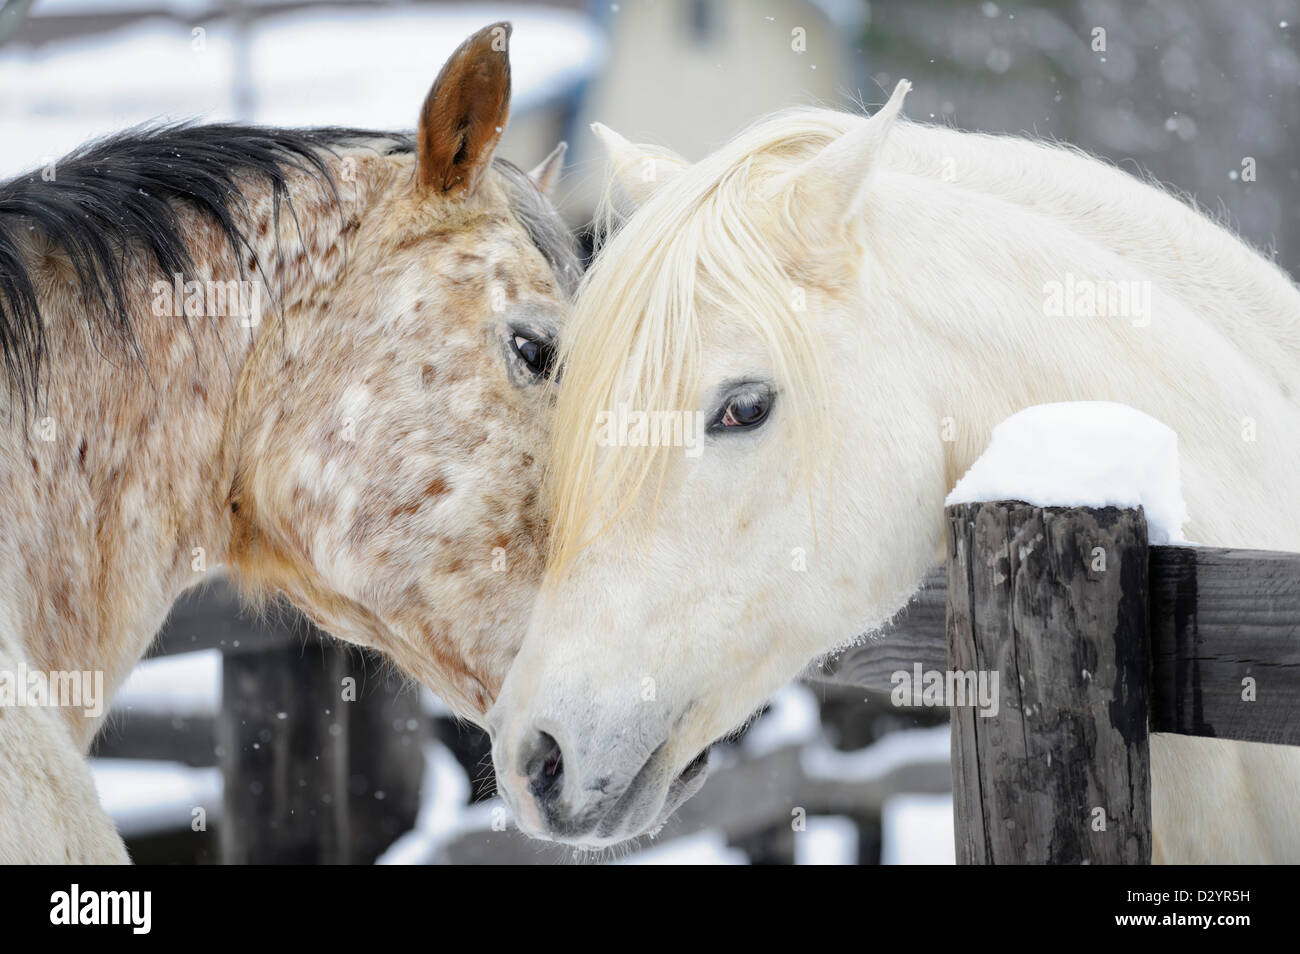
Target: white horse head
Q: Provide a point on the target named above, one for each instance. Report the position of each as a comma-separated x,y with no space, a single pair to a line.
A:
844,307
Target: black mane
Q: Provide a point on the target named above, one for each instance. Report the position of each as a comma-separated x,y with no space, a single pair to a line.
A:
122,193
544,226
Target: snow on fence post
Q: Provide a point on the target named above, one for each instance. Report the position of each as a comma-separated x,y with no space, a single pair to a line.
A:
1053,599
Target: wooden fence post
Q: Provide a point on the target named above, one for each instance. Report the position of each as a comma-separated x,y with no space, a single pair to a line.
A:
283,743
387,733
314,774
1054,601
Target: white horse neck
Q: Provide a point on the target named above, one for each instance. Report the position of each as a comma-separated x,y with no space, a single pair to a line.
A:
970,235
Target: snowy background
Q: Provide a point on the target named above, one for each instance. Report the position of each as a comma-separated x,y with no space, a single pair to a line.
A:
1187,90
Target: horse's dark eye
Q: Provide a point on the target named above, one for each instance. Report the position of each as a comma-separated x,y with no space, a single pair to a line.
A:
538,355
746,409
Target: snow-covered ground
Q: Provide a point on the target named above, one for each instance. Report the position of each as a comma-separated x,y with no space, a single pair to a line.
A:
827,840
895,750
368,67
145,797
188,684
917,830
702,848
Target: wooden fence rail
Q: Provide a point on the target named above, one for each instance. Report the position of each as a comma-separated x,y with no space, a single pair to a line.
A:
1216,618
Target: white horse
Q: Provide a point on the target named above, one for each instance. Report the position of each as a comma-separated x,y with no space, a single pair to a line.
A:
853,304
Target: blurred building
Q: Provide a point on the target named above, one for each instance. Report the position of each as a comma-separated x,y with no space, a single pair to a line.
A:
688,74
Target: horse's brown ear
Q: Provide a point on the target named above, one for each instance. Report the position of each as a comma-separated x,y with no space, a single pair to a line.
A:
465,113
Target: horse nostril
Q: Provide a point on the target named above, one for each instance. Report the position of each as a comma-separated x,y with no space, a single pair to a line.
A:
545,768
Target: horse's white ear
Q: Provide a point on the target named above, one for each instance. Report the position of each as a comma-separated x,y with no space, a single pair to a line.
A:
640,169
833,184
547,172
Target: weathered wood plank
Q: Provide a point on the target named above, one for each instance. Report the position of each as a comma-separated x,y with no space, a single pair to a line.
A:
283,745
1225,644
387,731
1216,616
1053,601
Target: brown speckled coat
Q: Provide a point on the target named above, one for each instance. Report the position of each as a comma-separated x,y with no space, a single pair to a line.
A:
372,448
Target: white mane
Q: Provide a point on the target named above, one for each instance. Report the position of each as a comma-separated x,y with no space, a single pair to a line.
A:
941,201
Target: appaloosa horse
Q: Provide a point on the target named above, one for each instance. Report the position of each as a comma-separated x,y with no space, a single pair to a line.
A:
850,305
320,357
